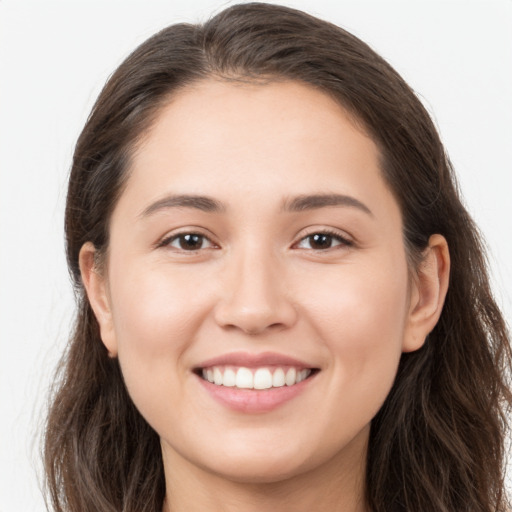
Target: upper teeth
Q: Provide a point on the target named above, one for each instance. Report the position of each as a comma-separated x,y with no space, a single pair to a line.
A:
259,378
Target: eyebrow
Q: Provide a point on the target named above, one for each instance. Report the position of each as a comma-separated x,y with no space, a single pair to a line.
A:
315,201
296,204
203,203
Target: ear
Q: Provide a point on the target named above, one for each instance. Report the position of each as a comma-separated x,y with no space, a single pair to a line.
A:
428,291
96,288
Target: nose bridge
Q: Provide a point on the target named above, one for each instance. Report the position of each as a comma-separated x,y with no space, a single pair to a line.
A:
255,297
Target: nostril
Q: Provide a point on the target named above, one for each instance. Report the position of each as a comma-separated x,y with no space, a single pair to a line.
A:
257,318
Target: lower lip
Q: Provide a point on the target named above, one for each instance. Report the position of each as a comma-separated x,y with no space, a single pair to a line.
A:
255,400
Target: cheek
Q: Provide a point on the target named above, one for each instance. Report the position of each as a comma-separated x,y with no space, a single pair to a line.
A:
156,318
361,298
153,310
361,318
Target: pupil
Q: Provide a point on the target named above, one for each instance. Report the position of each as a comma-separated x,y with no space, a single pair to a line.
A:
321,241
190,241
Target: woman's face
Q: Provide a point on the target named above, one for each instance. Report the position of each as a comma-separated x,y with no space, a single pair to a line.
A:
256,244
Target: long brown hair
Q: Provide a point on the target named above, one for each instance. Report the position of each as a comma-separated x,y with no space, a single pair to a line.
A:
437,444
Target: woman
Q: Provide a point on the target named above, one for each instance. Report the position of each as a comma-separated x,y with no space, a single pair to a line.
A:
282,302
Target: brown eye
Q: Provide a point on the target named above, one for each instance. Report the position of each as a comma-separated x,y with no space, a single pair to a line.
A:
322,241
189,242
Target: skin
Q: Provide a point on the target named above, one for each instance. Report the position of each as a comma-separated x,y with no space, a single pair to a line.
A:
258,284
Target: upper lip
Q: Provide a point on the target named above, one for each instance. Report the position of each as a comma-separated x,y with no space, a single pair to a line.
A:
248,360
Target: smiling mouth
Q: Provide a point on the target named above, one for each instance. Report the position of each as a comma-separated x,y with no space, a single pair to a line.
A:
240,377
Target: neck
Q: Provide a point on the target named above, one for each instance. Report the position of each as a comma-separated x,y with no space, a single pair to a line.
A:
337,485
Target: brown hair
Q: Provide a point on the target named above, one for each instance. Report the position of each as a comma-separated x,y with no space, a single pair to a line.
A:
437,442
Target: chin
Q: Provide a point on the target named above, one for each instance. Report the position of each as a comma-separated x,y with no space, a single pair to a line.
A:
259,471
262,466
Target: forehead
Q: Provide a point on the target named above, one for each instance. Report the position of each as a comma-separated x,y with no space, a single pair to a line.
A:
235,140
302,110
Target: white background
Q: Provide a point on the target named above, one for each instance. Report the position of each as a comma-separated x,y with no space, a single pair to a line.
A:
54,59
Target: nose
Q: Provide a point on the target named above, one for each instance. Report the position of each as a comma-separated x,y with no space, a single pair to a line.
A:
255,297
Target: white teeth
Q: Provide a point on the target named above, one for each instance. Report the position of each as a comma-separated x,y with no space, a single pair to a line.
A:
217,376
278,380
229,378
261,378
244,379
291,374
302,375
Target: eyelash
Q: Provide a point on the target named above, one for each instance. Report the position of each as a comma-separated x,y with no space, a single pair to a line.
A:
330,234
334,235
167,242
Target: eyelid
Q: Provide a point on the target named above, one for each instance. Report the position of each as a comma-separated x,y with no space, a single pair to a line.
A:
344,239
168,238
